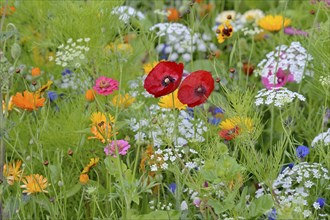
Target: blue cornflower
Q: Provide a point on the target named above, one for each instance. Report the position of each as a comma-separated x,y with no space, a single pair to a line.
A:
66,72
302,151
321,202
217,114
52,95
272,214
172,187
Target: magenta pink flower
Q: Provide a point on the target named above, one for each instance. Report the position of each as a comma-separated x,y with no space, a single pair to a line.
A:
281,79
105,85
122,146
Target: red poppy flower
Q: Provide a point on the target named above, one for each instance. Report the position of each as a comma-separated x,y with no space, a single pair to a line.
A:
164,78
196,88
229,134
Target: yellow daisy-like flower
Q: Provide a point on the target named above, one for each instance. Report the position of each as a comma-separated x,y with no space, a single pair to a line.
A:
123,101
43,88
98,118
245,124
274,23
92,163
167,101
34,183
224,31
149,66
12,172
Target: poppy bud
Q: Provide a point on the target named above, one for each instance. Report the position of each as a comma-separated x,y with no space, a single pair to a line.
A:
312,12
232,70
229,17
34,83
46,162
248,69
18,70
217,80
90,95
70,152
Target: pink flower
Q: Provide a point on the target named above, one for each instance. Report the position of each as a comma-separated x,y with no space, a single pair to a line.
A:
122,146
105,86
279,81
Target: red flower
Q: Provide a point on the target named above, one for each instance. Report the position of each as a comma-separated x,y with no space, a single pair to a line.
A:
196,88
164,78
229,134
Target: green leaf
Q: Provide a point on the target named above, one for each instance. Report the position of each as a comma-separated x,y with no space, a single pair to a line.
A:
199,65
261,205
72,191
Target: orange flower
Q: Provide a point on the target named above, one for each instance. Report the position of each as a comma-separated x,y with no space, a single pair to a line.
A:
83,178
9,10
35,71
90,95
29,101
173,14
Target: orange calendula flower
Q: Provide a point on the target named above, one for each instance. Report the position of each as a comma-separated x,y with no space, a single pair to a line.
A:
34,183
29,101
123,101
83,178
274,23
224,31
12,172
35,71
171,101
90,95
173,14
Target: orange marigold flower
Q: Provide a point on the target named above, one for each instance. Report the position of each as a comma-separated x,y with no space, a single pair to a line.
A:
12,172
34,183
224,31
29,101
35,71
173,14
90,95
83,178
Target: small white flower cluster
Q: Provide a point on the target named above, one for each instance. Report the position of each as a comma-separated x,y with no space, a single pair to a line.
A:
277,96
251,32
72,54
181,42
160,206
125,13
322,138
136,88
325,81
239,21
162,12
293,60
293,185
159,126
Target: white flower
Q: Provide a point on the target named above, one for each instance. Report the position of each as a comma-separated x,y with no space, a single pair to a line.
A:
125,13
307,213
184,206
322,138
316,205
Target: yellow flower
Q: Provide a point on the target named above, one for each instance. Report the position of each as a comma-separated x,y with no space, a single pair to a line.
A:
167,101
102,126
118,48
12,172
10,105
43,88
123,101
149,66
92,163
34,183
244,124
98,118
274,23
224,31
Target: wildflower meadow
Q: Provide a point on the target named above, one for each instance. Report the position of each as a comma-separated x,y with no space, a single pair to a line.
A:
164,109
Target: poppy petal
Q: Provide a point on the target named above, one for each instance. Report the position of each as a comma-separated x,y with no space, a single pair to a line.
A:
196,88
164,78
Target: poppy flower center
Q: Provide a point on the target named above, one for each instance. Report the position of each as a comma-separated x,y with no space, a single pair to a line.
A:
167,80
200,90
104,84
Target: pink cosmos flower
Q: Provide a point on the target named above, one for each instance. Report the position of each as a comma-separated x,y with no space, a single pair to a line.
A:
281,79
122,146
105,86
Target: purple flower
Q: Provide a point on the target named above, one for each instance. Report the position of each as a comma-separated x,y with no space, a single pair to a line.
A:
52,95
122,146
302,151
217,114
293,31
272,214
282,77
172,187
321,202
